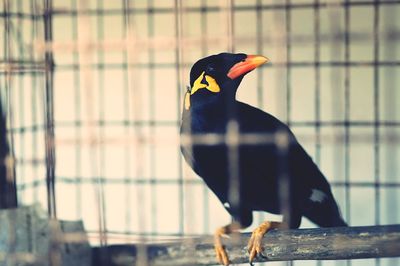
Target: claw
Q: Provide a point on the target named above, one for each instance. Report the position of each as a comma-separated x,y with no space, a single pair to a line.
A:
254,246
220,252
222,257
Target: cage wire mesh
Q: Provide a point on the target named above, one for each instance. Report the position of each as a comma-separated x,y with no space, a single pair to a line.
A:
93,93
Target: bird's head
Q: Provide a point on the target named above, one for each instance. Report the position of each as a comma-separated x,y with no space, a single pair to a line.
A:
218,76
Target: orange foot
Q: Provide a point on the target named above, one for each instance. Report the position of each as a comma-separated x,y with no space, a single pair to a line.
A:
220,251
254,246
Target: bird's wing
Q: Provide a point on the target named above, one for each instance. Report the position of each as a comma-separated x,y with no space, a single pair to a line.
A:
309,182
301,165
254,120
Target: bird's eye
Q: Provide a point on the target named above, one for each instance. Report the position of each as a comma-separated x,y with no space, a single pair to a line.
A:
210,69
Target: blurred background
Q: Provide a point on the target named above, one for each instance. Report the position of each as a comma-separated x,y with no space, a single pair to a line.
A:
93,92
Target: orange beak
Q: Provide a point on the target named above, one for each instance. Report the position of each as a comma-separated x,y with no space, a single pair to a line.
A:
251,62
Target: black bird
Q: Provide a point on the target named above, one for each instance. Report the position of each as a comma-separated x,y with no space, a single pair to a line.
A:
260,168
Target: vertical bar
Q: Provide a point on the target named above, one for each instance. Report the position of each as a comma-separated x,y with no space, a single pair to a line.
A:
7,174
389,18
288,61
226,24
179,76
259,32
282,145
317,42
186,188
336,77
85,57
150,28
347,110
54,251
21,90
78,117
127,28
35,97
376,111
376,117
138,146
347,106
230,26
232,142
317,73
232,136
282,139
204,47
101,148
49,111
8,197
101,104
5,198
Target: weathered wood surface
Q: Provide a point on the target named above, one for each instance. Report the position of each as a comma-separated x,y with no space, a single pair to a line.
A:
28,237
279,245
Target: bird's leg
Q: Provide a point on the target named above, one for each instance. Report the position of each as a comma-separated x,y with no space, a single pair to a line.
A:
255,243
223,231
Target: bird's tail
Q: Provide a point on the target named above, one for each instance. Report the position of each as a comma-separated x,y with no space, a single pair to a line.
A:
326,214
339,221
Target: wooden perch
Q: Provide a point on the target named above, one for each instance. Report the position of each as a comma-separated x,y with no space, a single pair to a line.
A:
279,245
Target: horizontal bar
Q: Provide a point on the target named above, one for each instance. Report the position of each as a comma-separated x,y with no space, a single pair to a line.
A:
205,9
279,245
21,15
15,70
156,43
278,139
271,65
171,123
173,181
216,8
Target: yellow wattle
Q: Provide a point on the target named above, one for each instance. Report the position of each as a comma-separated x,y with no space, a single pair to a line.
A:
212,84
197,85
187,100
